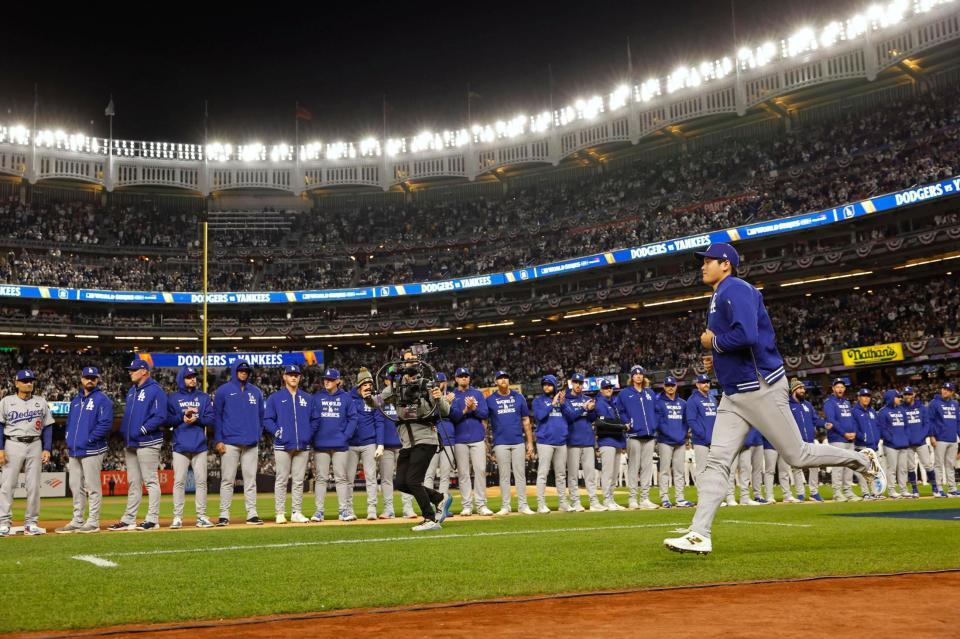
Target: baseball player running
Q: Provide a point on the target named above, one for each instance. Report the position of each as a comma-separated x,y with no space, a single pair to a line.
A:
25,445
750,370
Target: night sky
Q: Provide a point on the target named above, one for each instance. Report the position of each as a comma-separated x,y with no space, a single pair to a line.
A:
253,65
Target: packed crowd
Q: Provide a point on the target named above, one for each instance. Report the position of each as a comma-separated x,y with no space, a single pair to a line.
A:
892,147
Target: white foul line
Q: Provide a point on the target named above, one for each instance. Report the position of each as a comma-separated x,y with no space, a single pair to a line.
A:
96,561
104,563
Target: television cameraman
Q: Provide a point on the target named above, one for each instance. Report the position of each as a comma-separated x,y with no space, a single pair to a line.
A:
420,404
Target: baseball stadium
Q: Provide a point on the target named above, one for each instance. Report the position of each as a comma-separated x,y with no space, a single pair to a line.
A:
667,346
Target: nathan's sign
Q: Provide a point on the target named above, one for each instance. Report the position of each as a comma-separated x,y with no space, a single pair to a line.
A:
877,354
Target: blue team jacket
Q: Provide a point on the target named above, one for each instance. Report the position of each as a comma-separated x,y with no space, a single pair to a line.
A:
88,424
671,426
189,438
552,428
237,412
146,410
744,344
701,414
839,412
893,423
468,427
640,409
287,418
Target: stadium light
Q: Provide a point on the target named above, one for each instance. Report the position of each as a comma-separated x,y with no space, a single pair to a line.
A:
802,41
650,89
830,34
619,97
826,278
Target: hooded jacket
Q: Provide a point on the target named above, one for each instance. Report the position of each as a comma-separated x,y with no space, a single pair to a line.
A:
237,412
88,424
144,415
189,438
893,423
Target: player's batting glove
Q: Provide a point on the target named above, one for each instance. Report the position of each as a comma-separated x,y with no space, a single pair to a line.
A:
378,451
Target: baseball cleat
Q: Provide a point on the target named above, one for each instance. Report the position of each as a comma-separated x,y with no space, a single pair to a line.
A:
426,525
597,507
86,529
372,516
691,542
147,525
543,509
4,530
613,506
223,521
840,499
176,523
790,499
854,497
387,515
683,503
443,508
816,498
525,510
254,521
203,522
69,528
666,504
281,518
646,504
317,516
298,518
410,515
633,505
484,511
33,529
875,474
348,517
121,526
578,507
504,511
466,512
731,501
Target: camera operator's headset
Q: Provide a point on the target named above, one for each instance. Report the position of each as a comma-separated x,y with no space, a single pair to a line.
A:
394,370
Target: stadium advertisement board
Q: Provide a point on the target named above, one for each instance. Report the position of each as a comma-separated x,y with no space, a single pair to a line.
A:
51,485
876,354
114,482
224,360
842,213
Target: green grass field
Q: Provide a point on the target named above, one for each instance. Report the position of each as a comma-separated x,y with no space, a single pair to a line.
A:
243,570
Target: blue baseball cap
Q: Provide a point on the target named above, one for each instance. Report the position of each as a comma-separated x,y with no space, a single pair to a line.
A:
331,373
138,365
863,392
637,368
291,369
189,372
607,384
669,380
441,377
948,386
703,379
501,374
576,377
244,365
908,390
838,380
721,251
549,379
25,375
90,371
462,372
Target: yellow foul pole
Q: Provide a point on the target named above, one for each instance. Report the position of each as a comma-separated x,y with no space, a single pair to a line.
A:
205,306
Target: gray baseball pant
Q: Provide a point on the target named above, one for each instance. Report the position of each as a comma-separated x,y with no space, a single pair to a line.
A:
672,460
388,469
181,464
769,410
556,457
947,465
473,455
290,463
355,455
640,463
84,473
510,458
26,456
143,465
246,457
700,461
895,463
586,458
609,467
324,460
842,478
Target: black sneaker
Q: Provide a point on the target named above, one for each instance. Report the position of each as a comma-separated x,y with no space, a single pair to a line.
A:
121,526
147,525
255,521
223,521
